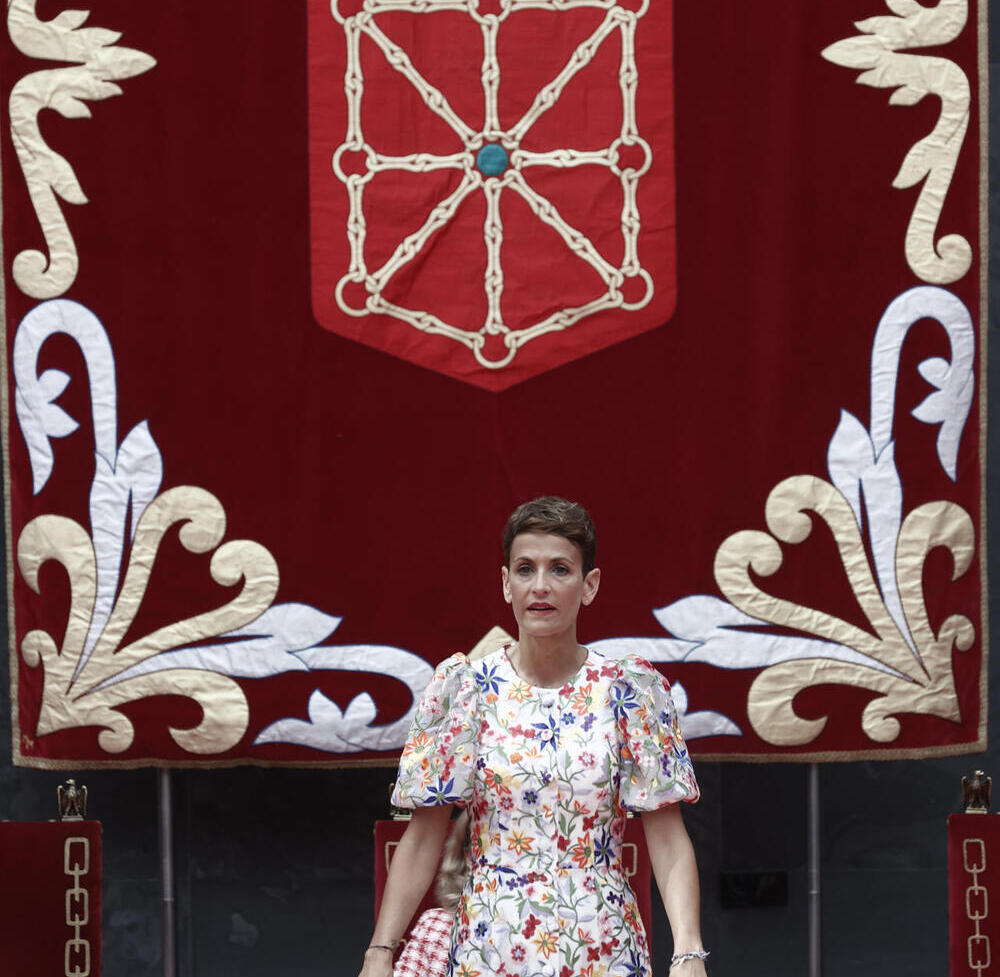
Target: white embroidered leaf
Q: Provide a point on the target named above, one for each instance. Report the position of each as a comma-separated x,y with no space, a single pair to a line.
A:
695,725
101,37
69,106
100,89
679,696
906,95
39,417
707,722
140,466
270,645
752,649
134,478
328,728
948,406
125,62
849,455
883,495
248,658
70,19
108,510
935,371
652,649
721,639
695,618
63,180
50,385
35,408
916,25
871,484
37,421
333,731
293,626
854,52
64,38
408,668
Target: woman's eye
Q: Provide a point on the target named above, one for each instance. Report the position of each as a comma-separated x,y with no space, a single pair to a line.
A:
523,570
560,569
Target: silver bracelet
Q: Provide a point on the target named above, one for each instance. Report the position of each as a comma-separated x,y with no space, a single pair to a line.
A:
690,955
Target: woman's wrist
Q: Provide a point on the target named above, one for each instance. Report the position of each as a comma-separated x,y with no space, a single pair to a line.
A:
683,956
390,946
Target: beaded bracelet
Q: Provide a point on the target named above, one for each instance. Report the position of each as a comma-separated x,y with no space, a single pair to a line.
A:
690,955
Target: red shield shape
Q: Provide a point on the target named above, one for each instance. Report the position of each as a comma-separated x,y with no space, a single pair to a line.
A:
491,190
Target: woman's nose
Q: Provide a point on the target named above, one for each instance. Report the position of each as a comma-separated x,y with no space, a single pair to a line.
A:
538,584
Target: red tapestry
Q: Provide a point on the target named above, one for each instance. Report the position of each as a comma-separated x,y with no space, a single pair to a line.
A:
973,861
301,299
50,909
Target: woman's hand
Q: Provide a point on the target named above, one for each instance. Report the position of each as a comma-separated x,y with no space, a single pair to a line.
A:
378,963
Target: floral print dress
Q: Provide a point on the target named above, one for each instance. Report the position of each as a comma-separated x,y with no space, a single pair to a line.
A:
548,776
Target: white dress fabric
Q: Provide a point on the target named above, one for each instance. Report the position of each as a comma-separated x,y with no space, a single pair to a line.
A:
548,776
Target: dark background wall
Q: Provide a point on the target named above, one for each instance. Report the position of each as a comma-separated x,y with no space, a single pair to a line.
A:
274,867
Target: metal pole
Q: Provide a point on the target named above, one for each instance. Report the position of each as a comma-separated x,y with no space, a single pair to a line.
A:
167,871
815,958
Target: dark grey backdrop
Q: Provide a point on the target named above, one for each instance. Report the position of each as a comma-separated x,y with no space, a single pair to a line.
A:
274,867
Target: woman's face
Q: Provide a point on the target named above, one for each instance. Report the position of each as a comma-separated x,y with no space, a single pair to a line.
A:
545,584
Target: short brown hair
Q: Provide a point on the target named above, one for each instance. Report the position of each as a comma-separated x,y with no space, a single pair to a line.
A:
558,516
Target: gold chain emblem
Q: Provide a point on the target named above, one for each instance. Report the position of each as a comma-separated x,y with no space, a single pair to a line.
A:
76,864
977,905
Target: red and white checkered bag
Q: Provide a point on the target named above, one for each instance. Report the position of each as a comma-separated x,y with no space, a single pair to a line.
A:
426,951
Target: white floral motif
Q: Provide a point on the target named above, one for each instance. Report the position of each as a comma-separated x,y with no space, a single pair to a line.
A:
902,658
97,670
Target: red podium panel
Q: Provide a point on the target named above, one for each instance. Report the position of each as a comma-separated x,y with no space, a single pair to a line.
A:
634,856
50,903
973,882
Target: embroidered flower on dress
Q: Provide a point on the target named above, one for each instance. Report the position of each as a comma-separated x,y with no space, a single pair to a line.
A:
519,842
549,733
546,943
488,680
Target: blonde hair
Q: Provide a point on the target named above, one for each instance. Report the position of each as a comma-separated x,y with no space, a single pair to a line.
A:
454,864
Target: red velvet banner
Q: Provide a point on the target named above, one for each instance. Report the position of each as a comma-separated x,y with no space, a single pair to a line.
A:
973,873
50,907
301,299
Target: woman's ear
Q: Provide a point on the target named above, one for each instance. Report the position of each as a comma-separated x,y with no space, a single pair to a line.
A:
505,583
591,583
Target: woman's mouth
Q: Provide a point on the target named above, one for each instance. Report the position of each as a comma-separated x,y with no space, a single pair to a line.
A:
540,608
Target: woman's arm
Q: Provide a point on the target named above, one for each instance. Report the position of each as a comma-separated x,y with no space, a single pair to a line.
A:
410,875
673,861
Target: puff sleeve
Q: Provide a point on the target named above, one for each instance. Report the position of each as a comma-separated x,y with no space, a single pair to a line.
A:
437,765
655,767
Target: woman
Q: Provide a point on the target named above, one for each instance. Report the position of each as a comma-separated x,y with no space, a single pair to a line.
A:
548,745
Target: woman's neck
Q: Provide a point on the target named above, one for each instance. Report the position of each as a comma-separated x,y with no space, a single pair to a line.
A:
547,662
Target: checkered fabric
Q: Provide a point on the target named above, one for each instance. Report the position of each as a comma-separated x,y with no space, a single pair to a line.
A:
426,950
